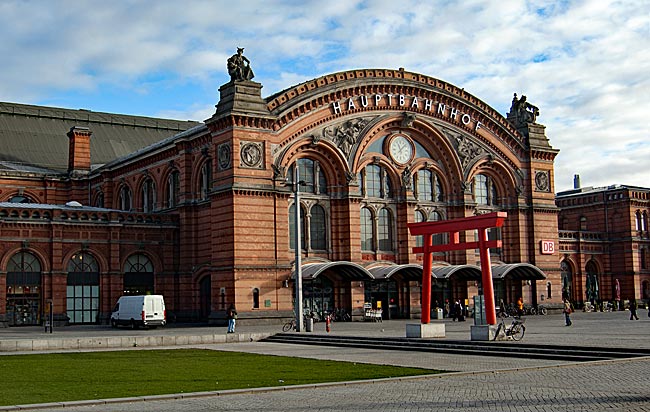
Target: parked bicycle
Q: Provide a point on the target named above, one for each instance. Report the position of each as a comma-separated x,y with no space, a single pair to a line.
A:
515,330
291,325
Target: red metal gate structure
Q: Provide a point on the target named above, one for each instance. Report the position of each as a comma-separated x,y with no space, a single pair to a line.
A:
480,223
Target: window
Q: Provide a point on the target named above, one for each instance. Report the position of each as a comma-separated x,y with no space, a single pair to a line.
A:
317,228
256,298
644,258
83,289
484,190
637,220
385,230
419,218
173,188
206,179
20,199
375,182
292,227
23,290
125,199
366,230
138,275
644,221
99,201
148,196
429,187
583,223
310,173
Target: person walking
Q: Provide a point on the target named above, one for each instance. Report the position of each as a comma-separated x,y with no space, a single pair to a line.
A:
633,314
567,312
232,318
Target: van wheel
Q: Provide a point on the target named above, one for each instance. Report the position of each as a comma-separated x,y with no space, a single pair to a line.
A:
133,324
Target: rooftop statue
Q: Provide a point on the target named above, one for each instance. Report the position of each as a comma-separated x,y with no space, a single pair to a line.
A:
523,111
239,67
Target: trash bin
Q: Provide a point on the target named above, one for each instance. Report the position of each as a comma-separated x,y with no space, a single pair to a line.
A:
309,325
436,313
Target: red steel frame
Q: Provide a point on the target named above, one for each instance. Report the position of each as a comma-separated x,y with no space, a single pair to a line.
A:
481,223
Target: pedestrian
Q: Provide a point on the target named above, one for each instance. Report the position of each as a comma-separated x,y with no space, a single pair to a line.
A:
232,318
633,310
455,311
520,306
461,312
447,312
502,308
567,312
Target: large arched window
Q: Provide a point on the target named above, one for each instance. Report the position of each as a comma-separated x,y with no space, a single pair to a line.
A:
206,179
366,230
83,289
173,188
125,200
23,289
385,230
428,186
317,228
148,196
484,190
99,200
375,182
138,275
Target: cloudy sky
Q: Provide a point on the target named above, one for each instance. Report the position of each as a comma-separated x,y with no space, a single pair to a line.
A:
584,63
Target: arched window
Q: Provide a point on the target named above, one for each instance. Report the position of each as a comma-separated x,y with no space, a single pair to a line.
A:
23,289
173,188
292,228
99,201
125,199
206,179
643,256
20,199
256,298
375,182
148,196
83,289
385,230
484,190
313,179
583,223
637,220
644,221
317,228
429,187
366,230
138,275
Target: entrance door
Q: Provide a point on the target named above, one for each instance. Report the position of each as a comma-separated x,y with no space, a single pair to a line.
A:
205,297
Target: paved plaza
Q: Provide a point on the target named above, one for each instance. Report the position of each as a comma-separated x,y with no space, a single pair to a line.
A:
476,383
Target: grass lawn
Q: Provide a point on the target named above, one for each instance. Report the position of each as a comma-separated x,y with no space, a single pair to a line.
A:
99,375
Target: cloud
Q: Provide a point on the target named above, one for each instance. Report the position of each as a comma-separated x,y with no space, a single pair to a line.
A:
584,63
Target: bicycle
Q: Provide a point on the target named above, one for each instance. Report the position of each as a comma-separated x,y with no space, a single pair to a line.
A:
515,330
291,325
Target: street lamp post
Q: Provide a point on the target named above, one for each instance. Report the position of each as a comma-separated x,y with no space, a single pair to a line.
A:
296,198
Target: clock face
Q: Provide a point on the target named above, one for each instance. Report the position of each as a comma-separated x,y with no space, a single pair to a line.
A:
400,149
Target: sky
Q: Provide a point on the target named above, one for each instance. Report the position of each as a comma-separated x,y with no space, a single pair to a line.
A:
584,63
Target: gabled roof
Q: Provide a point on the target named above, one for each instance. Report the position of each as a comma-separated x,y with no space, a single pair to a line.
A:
34,138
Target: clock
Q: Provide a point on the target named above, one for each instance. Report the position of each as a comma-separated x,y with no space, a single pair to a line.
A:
400,149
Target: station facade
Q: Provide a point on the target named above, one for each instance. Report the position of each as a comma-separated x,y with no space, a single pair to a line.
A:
94,205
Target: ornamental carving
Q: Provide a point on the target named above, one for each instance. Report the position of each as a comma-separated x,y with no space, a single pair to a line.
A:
521,112
345,135
251,155
224,156
542,183
468,150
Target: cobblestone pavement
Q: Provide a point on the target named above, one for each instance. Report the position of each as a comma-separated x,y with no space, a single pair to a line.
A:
483,383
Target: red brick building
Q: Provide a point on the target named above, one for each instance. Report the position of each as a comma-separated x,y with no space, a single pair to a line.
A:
203,212
604,242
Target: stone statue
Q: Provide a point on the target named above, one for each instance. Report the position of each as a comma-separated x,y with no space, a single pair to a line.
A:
523,111
239,67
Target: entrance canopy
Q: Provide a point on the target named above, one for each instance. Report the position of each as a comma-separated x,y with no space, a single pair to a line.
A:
459,272
518,271
345,270
408,272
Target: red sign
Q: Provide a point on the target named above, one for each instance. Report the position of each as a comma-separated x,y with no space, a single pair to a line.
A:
548,247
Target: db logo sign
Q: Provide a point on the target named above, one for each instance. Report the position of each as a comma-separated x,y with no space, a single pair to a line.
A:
548,247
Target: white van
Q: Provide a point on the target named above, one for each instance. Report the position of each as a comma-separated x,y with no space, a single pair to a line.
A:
136,311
